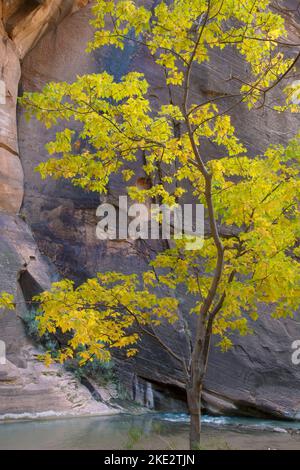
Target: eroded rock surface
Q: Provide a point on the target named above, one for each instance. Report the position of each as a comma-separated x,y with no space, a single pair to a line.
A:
26,386
22,24
38,391
19,258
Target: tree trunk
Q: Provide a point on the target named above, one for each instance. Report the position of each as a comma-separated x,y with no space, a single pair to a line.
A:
197,373
194,407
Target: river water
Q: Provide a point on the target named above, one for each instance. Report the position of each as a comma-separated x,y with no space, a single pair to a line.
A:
148,431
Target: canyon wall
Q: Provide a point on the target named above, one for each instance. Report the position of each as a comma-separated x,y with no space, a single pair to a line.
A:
55,235
25,385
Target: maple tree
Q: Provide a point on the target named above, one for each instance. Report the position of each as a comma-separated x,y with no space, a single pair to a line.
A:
254,261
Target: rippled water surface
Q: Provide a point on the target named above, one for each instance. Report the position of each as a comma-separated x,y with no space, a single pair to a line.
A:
149,431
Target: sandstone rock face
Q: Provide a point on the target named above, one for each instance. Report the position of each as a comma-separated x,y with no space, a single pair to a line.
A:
11,174
11,182
23,270
9,373
22,24
257,376
27,387
38,391
27,21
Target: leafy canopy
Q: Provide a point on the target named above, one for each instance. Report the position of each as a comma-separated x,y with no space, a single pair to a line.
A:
100,314
255,199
